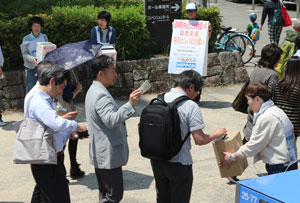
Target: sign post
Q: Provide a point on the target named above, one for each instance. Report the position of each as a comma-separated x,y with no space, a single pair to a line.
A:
189,47
159,17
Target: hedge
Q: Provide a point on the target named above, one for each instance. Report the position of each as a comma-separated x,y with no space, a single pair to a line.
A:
72,24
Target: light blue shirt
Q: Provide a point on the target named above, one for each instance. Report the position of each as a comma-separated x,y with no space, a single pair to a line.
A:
43,108
190,120
1,58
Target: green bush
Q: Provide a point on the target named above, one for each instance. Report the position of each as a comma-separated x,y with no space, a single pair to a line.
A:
211,15
73,24
16,8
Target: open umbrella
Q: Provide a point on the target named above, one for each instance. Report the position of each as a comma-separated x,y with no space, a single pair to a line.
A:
73,54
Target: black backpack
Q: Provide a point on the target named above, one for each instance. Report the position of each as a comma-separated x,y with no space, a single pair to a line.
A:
159,129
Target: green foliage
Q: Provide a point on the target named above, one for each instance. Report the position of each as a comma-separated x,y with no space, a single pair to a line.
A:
119,3
222,81
73,24
16,8
211,15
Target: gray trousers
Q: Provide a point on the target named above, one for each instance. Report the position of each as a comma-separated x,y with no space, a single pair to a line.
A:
173,181
110,183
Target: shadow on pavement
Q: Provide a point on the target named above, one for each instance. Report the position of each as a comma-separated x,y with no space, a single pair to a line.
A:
10,202
89,180
8,127
214,104
136,181
132,181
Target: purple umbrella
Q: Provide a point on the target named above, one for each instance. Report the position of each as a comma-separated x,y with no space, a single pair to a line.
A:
73,54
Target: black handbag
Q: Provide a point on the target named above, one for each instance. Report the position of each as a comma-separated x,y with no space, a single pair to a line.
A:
240,102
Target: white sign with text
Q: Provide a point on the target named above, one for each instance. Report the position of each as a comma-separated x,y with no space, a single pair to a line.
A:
189,46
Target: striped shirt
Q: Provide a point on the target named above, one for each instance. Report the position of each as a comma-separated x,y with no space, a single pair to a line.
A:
290,106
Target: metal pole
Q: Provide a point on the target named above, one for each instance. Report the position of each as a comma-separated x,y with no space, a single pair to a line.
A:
253,5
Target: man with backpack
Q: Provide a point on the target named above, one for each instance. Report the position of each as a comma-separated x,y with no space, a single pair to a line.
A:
174,177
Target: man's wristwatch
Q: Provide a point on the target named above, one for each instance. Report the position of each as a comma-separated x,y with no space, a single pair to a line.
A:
232,157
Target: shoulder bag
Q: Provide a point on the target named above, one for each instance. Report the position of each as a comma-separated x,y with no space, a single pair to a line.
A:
240,102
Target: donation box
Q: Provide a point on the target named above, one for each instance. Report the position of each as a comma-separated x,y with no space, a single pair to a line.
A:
231,143
280,187
109,51
42,48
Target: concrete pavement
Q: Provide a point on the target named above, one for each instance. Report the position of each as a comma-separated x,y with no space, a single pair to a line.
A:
16,181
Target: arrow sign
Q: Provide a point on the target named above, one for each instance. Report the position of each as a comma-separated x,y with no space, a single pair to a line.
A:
175,7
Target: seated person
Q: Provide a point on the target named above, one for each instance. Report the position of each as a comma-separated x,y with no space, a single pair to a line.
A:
103,33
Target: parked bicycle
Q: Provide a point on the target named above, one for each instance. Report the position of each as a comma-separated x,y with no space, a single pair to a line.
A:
231,41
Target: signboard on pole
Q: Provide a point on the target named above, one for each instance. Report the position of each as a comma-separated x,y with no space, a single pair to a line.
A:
189,46
159,17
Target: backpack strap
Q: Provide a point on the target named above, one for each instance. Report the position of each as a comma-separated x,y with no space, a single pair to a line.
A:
161,97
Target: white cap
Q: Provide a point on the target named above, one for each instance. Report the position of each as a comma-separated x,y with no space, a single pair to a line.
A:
191,7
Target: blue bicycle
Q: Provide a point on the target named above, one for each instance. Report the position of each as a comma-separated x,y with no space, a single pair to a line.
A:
235,41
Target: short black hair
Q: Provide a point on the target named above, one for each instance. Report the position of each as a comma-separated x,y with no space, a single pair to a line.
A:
270,54
105,15
54,71
101,63
188,78
35,19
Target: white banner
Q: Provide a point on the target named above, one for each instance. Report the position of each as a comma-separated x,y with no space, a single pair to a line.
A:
189,46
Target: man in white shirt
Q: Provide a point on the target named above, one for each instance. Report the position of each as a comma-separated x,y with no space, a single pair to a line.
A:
170,186
49,178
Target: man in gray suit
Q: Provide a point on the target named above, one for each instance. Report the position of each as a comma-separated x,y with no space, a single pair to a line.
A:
106,124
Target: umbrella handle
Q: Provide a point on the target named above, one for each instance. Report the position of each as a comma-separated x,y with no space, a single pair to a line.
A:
75,76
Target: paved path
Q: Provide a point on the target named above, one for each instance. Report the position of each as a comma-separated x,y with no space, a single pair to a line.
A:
16,181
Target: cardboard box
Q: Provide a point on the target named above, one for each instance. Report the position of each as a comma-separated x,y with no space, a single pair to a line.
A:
109,51
231,143
42,48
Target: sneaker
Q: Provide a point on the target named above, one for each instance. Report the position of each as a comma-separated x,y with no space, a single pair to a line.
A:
75,171
2,123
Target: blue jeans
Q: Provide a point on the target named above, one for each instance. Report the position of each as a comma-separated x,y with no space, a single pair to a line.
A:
278,168
31,78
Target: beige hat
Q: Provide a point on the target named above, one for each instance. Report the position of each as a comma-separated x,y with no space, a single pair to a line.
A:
296,26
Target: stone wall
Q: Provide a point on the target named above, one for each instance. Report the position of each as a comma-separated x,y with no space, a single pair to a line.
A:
223,68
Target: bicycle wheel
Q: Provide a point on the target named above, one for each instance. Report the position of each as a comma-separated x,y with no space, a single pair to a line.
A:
223,36
241,44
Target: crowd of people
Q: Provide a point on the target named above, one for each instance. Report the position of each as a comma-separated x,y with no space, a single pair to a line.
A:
272,127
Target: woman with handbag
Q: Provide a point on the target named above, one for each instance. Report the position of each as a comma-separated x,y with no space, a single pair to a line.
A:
287,93
272,9
264,72
272,139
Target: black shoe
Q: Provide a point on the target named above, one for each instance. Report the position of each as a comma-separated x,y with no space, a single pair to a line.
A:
75,171
232,180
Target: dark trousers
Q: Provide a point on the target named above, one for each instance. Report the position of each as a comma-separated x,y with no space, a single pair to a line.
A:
278,168
51,183
173,181
72,147
31,78
110,183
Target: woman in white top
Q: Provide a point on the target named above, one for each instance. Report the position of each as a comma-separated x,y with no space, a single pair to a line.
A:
272,139
28,48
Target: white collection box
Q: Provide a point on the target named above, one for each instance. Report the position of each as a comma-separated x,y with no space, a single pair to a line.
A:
109,51
42,48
